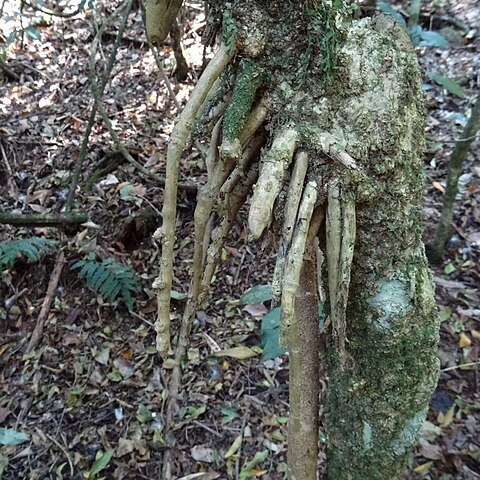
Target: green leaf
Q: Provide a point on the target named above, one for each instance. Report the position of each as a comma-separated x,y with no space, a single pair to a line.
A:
451,85
195,412
271,319
102,459
445,313
3,464
33,33
144,415
178,295
257,294
249,466
271,344
270,335
30,248
433,39
449,268
9,436
229,414
110,279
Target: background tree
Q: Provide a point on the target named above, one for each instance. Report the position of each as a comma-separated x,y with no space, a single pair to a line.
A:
336,106
455,168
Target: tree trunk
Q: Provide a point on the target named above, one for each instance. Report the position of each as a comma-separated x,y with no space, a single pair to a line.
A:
455,168
347,93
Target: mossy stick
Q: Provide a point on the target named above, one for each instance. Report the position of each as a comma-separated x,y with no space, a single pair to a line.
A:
294,261
178,139
294,196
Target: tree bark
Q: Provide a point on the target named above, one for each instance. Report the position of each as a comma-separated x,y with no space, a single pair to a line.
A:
379,387
455,167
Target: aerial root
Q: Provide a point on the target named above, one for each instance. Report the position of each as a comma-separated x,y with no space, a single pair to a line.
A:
233,203
330,146
294,260
272,171
294,196
340,236
178,139
207,197
212,155
250,153
255,121
221,177
233,148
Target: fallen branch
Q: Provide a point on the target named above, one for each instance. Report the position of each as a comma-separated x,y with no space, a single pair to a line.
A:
47,301
43,220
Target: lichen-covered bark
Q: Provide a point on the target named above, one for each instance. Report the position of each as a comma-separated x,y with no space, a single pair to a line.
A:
377,398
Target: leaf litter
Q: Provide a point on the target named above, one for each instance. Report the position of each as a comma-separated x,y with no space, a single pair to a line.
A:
89,402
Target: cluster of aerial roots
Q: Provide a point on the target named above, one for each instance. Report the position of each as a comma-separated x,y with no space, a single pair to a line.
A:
245,168
235,169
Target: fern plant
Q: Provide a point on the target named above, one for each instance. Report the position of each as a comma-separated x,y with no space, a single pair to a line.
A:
30,248
110,279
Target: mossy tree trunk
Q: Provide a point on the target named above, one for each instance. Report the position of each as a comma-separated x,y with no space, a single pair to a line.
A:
343,96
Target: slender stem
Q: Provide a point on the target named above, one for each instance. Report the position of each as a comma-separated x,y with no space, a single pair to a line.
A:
91,120
455,167
304,390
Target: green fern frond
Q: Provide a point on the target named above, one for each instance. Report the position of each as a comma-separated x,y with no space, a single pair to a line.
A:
31,248
110,279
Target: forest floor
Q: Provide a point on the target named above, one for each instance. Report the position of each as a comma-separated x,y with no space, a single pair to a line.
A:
88,401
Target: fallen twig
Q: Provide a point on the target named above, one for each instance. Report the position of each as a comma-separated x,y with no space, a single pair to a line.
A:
47,301
43,220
